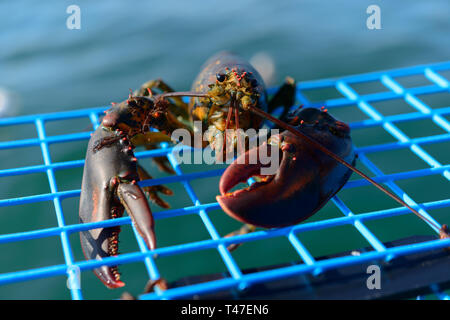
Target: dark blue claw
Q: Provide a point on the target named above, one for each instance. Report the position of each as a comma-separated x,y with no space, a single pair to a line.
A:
109,187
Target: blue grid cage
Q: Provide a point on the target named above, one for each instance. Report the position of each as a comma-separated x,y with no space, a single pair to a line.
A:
387,87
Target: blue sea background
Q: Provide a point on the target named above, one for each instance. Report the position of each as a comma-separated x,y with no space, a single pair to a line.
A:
46,67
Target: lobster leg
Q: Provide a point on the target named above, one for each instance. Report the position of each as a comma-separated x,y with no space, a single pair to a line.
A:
150,285
152,191
245,229
178,109
161,162
285,97
150,140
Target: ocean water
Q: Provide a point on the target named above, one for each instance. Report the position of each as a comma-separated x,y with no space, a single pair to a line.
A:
46,67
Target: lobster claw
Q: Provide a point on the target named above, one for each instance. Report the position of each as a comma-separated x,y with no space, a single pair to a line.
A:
137,207
108,187
305,179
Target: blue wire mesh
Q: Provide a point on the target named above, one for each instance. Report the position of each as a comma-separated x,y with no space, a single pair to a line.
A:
390,89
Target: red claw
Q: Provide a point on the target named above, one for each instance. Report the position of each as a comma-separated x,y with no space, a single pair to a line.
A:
305,180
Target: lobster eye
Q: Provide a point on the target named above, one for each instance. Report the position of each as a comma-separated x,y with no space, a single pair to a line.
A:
220,77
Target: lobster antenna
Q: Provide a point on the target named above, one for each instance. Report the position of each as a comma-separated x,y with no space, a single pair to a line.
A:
227,126
182,94
319,146
236,121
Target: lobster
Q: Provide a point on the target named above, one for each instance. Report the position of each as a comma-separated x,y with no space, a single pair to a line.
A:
111,172
317,156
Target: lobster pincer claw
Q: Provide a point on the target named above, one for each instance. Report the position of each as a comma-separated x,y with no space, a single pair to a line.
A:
305,179
108,187
135,202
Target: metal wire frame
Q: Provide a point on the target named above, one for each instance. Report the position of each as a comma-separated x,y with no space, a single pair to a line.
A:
237,279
